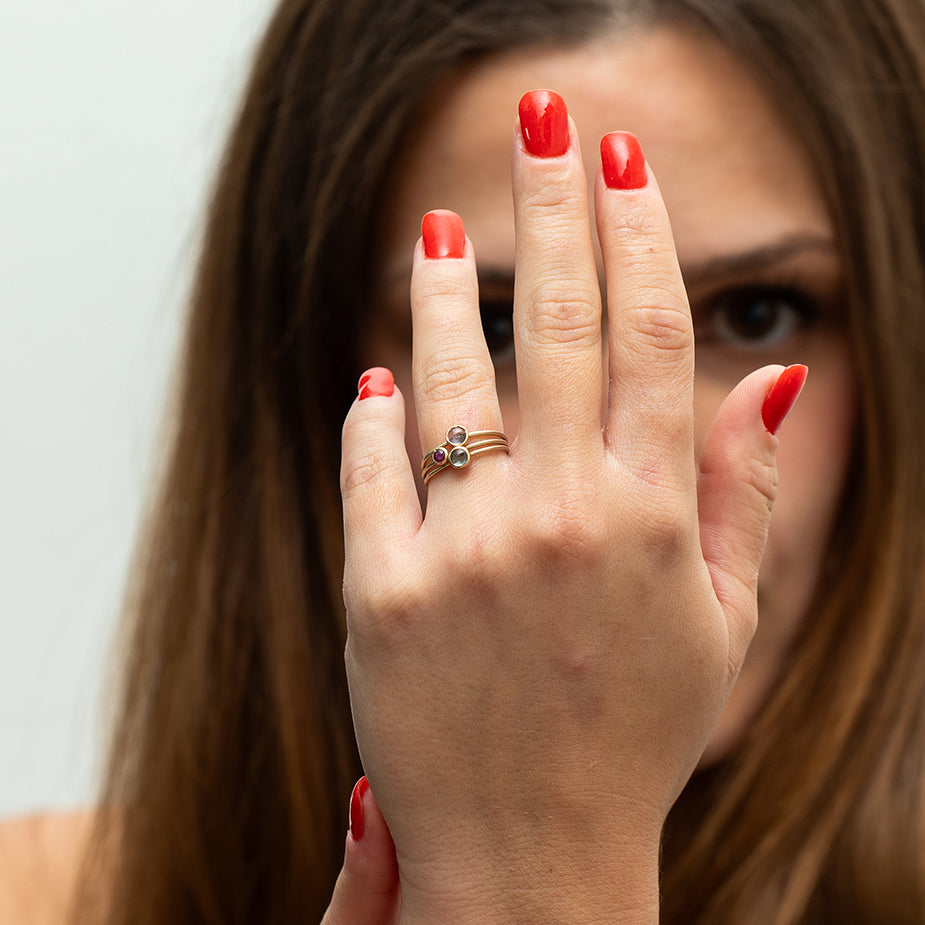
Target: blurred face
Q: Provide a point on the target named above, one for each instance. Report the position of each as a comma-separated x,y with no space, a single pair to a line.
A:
755,244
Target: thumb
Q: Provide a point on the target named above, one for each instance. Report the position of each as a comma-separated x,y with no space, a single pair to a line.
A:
366,892
736,490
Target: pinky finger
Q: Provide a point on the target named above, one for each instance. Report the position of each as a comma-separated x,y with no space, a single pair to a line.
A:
367,890
381,506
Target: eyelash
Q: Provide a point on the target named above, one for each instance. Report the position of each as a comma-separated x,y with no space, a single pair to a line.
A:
712,322
784,311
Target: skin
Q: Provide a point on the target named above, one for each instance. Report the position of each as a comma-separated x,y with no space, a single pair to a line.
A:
736,183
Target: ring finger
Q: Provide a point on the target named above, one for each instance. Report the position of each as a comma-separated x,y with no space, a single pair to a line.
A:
454,379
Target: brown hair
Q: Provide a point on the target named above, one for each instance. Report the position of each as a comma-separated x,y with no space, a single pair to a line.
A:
233,755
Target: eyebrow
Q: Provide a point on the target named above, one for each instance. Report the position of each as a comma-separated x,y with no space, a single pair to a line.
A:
736,264
759,258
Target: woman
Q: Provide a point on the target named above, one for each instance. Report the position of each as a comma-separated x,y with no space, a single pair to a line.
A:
235,745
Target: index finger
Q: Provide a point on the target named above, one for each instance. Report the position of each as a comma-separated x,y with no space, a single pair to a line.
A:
651,337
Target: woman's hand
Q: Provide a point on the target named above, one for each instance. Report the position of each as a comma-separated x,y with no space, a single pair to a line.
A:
366,892
535,665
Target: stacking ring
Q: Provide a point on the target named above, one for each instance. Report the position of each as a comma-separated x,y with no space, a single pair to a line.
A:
458,449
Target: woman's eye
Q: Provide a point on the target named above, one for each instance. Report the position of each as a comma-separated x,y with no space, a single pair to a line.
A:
498,325
757,317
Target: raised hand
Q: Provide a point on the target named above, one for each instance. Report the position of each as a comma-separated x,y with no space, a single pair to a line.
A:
535,665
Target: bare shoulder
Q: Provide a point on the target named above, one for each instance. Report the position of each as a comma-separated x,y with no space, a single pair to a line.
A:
39,859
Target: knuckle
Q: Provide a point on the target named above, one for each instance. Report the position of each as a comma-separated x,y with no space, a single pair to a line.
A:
566,313
644,237
661,324
566,321
486,546
450,377
373,465
481,561
665,527
569,530
442,288
760,474
557,202
667,531
378,608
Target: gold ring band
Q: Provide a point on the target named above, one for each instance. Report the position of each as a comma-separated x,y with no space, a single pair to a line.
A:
459,448
457,435
460,457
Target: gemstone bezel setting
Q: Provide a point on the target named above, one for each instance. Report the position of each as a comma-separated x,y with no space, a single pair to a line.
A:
459,457
457,435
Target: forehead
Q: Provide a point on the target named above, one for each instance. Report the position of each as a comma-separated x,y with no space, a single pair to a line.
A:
731,170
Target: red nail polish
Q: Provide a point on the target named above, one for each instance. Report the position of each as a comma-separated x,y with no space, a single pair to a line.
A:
357,819
623,161
544,123
444,235
376,381
782,397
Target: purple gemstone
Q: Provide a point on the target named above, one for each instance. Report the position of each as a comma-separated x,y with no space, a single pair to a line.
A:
456,435
439,455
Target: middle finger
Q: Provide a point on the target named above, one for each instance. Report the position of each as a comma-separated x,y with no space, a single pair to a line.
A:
557,298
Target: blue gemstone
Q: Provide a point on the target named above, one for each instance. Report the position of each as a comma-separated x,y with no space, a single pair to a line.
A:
459,457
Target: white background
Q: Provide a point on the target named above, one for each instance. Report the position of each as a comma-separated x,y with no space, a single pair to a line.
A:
112,117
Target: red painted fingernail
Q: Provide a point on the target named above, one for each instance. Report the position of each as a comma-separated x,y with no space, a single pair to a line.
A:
444,235
623,161
783,396
376,381
357,818
544,123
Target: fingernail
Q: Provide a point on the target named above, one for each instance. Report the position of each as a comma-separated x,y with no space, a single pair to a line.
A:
544,123
444,235
357,819
376,381
623,161
783,396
